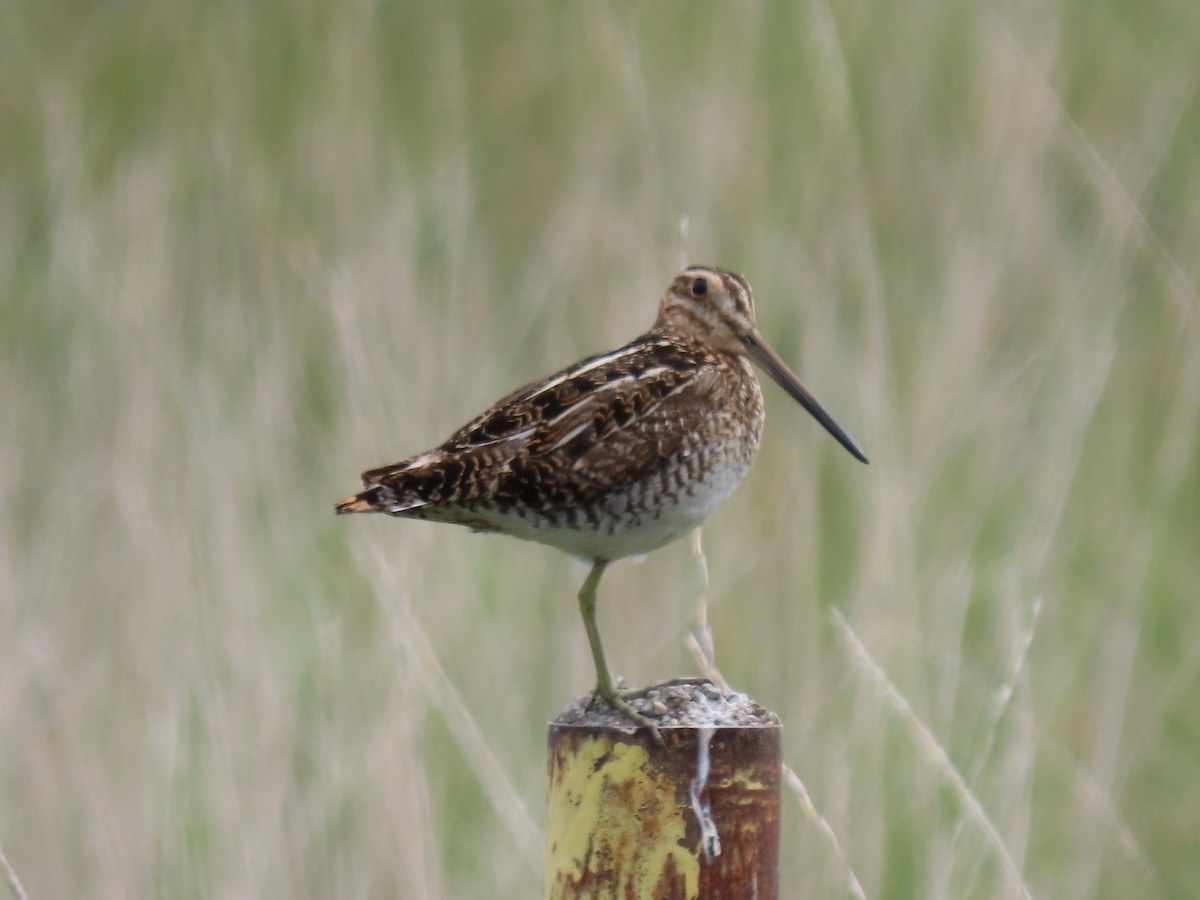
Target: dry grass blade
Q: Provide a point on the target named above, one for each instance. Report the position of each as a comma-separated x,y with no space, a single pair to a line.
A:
810,810
14,883
933,749
412,644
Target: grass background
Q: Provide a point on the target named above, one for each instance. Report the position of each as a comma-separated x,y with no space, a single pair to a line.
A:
248,250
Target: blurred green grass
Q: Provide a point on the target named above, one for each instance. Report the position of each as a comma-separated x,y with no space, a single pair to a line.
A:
248,251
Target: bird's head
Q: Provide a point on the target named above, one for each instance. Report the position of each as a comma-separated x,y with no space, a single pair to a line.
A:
716,308
710,305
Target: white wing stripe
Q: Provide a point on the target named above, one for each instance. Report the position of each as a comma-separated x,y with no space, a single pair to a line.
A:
597,363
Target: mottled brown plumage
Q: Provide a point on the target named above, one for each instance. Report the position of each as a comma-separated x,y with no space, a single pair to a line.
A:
616,455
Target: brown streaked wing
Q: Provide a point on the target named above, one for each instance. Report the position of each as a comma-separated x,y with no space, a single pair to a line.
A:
641,446
540,404
614,438
568,438
534,408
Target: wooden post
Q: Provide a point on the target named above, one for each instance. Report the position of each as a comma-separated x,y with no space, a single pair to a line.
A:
693,818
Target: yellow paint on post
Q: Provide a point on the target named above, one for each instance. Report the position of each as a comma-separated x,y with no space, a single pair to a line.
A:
614,825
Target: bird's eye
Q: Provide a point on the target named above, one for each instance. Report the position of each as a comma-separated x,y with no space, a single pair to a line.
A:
699,287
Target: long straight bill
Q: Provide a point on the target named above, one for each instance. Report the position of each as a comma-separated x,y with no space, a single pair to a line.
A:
762,354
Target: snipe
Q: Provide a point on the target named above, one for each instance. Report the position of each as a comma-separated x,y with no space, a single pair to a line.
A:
618,454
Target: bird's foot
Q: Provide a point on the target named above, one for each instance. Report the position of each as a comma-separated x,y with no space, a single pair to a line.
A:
619,701
638,693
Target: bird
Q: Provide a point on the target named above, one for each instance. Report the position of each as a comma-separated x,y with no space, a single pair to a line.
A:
616,455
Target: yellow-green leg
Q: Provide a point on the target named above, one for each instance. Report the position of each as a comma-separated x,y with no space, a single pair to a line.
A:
604,682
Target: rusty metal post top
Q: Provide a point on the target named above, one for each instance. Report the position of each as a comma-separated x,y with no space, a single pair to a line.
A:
693,816
682,703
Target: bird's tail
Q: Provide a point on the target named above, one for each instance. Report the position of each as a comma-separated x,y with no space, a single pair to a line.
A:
384,498
367,501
